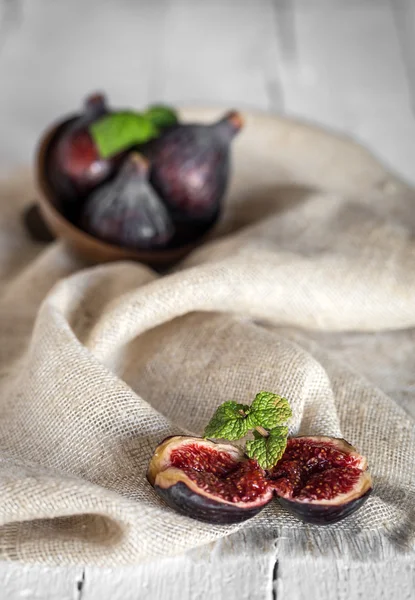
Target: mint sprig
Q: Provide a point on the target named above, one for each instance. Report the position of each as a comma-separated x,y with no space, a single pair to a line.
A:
116,132
268,450
162,116
229,422
269,410
265,417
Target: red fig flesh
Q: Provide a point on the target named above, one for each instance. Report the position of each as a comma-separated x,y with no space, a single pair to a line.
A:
321,479
207,481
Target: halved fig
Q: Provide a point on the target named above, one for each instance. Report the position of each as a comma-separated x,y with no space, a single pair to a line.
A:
207,481
321,479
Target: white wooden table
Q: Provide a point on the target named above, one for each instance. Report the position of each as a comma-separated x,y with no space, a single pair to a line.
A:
349,65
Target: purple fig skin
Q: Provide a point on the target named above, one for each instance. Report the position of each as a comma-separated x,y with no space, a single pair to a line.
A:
127,211
190,167
66,195
316,514
76,154
74,161
191,504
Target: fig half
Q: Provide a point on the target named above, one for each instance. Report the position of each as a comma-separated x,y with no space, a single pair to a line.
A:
207,481
321,479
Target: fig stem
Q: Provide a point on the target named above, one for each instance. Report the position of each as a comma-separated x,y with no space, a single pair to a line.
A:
262,431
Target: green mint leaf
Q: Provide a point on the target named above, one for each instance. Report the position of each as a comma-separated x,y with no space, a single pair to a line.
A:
268,450
229,422
119,131
269,410
162,116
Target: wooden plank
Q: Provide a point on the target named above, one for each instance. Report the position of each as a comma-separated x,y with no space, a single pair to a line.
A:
217,53
238,567
404,11
220,571
344,70
310,579
23,582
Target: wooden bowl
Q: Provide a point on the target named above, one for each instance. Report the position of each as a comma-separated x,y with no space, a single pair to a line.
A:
88,247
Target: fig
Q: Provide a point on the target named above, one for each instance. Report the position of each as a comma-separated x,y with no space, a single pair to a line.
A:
208,481
35,224
190,166
127,211
75,158
321,479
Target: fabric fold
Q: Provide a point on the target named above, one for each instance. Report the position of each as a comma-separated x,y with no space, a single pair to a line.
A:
304,296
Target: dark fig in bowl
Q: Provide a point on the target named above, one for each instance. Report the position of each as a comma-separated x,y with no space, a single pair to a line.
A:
190,167
75,160
320,479
210,482
127,211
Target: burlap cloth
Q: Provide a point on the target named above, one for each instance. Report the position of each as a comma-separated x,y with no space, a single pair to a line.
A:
307,289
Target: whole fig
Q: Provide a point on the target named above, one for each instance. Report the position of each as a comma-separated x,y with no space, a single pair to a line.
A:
190,166
76,162
127,211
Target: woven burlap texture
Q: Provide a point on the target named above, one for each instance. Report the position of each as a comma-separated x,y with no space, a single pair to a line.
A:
307,281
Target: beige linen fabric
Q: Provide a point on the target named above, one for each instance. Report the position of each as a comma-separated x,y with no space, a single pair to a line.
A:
308,280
